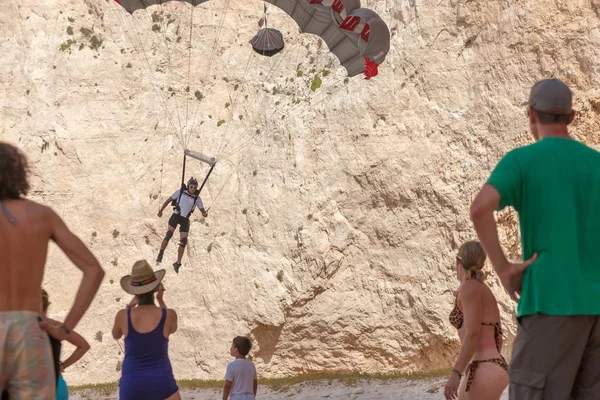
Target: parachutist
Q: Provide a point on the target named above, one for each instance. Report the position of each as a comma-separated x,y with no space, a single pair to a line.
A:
183,201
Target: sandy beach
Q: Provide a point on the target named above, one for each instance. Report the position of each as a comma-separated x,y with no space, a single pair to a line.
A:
367,389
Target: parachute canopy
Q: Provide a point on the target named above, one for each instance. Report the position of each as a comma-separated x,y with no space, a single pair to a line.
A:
268,42
358,37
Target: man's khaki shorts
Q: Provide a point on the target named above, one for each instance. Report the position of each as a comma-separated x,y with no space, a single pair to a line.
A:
556,358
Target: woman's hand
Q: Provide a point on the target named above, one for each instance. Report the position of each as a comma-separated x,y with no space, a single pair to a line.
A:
451,388
160,292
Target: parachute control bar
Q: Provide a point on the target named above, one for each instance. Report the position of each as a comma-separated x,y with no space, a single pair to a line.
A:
201,157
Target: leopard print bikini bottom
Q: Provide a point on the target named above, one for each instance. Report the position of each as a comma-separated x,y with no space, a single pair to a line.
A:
474,364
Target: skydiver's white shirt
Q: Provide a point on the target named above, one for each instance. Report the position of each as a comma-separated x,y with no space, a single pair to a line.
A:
186,203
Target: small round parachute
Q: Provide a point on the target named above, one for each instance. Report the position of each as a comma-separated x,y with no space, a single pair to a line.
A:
268,42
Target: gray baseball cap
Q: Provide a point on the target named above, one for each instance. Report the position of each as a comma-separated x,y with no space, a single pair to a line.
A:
552,96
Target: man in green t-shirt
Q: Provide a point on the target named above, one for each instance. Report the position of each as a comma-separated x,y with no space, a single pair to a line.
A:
554,185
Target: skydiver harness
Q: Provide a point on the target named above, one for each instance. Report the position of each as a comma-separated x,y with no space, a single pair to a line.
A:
175,203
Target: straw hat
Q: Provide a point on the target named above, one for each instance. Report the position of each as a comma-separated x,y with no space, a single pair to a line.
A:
142,279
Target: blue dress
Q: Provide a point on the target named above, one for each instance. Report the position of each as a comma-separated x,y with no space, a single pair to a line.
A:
147,373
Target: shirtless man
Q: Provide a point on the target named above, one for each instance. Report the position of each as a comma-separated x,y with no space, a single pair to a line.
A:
26,366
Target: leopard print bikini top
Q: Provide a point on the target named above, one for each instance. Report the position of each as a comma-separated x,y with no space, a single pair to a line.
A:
457,318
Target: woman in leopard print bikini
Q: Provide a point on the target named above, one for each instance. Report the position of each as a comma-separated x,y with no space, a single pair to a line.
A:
477,318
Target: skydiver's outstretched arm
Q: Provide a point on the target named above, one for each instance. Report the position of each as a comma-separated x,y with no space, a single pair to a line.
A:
165,204
200,207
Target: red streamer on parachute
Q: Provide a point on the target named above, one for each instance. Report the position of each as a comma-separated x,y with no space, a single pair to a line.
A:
371,68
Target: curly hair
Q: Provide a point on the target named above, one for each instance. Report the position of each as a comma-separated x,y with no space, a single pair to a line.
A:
13,172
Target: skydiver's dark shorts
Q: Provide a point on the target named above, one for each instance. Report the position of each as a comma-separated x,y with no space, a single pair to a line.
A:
183,222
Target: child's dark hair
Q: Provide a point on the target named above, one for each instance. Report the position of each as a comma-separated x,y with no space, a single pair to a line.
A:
243,344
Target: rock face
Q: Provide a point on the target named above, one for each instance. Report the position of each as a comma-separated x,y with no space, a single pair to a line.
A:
337,205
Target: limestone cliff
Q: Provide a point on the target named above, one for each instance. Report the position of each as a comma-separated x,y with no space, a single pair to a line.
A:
337,205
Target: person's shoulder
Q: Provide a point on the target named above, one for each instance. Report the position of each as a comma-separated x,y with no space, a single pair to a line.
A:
520,156
38,207
470,288
588,149
171,312
523,151
42,212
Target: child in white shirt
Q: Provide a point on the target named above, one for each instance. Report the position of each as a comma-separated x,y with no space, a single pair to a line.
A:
240,378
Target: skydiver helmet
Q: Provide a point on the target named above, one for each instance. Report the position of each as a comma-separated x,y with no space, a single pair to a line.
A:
192,181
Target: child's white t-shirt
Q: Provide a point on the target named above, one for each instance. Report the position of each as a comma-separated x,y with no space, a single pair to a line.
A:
242,373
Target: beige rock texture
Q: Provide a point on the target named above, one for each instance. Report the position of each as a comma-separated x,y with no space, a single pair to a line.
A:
335,213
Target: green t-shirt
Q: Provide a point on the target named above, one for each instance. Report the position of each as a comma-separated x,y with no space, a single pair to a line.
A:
554,185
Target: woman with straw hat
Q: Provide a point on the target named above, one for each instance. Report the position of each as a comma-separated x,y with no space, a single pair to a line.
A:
146,372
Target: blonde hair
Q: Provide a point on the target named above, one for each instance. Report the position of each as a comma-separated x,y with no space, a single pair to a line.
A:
472,258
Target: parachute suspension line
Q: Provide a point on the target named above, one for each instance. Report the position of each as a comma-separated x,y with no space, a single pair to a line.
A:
207,70
162,158
234,141
150,69
164,28
265,15
250,141
194,119
182,183
218,36
223,142
146,65
227,180
235,144
187,107
165,126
